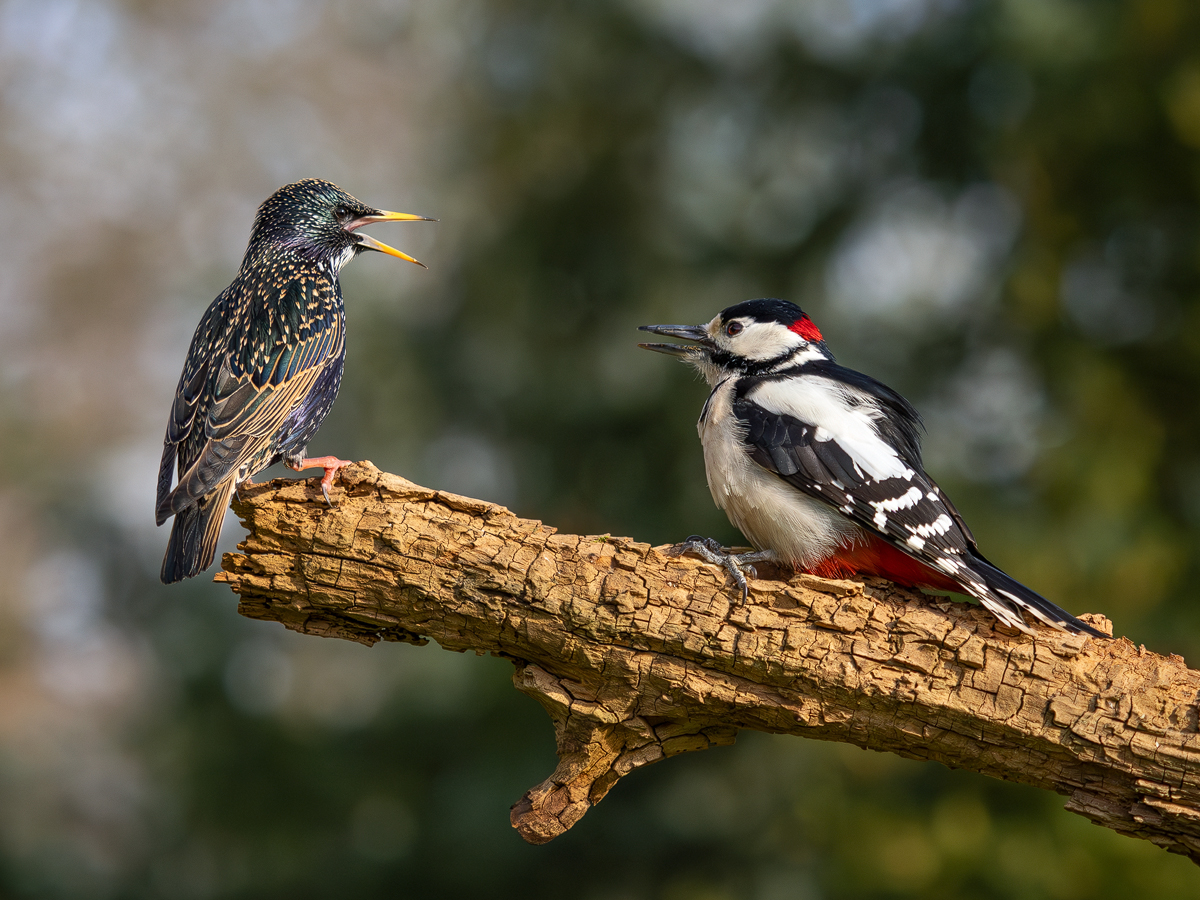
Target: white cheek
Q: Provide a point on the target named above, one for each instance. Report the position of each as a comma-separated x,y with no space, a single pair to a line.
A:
763,342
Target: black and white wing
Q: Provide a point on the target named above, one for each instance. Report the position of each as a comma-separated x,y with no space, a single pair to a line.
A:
865,461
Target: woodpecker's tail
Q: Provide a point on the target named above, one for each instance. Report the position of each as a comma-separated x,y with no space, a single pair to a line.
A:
194,533
1007,599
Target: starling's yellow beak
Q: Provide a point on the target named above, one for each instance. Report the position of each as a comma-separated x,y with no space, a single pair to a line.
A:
365,240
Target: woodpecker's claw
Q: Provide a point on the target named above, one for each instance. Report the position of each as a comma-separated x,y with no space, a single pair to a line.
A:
704,546
737,565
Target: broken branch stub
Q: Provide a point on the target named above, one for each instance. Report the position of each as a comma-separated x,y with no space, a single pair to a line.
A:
637,655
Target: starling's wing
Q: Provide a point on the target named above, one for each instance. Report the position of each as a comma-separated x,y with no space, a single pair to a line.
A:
189,394
259,382
882,487
183,413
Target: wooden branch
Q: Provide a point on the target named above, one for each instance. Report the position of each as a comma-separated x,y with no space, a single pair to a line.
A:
638,655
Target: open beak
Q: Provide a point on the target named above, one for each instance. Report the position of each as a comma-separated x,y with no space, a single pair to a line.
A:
695,333
365,240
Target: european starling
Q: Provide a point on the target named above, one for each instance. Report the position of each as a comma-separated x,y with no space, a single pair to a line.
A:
265,364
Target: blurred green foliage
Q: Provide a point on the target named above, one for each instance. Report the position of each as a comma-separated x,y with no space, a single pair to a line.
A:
992,206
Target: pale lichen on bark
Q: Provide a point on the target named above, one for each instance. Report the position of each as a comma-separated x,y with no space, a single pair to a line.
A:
638,655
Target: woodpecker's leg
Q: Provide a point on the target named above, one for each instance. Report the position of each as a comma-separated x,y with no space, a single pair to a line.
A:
329,463
736,564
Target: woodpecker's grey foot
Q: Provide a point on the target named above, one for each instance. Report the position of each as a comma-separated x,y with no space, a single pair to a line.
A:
737,565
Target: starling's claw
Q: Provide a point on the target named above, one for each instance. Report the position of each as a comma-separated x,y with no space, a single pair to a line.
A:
237,488
330,464
737,565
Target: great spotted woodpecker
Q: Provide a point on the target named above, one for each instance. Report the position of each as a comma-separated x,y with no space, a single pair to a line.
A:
819,466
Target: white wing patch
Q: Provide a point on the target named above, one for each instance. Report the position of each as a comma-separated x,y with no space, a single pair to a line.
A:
940,525
815,399
908,499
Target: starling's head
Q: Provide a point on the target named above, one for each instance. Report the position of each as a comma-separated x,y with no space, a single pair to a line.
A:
319,220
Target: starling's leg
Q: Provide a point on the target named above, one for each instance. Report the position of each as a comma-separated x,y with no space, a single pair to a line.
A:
736,564
237,488
329,463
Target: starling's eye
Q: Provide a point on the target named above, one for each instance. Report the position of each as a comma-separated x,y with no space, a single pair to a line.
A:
342,212
733,328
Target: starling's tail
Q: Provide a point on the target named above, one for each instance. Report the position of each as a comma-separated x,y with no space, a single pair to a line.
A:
194,534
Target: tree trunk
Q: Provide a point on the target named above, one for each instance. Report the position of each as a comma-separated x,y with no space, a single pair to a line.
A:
638,655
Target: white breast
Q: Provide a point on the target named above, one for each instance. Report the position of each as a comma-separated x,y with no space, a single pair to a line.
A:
772,514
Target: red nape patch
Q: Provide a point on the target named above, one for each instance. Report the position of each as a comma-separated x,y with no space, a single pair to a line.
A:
804,327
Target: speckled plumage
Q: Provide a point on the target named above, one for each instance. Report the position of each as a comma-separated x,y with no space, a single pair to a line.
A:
265,364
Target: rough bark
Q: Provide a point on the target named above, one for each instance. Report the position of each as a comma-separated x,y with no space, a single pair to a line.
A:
638,655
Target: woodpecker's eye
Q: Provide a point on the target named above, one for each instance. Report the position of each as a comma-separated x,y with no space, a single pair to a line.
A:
733,328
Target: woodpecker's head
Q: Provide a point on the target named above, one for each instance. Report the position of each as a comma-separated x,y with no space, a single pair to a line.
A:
751,338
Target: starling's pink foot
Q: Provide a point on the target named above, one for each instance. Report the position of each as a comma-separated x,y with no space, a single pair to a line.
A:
329,463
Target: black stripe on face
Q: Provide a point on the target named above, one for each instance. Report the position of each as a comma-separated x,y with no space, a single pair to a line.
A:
723,359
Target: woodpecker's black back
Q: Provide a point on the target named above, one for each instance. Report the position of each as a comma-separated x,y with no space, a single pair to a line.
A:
264,366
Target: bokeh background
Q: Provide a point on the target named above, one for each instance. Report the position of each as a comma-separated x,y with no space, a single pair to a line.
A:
993,206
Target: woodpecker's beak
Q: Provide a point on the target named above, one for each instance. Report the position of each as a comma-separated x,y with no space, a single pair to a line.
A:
365,240
695,333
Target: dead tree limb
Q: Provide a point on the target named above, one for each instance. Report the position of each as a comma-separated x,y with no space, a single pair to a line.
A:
637,655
